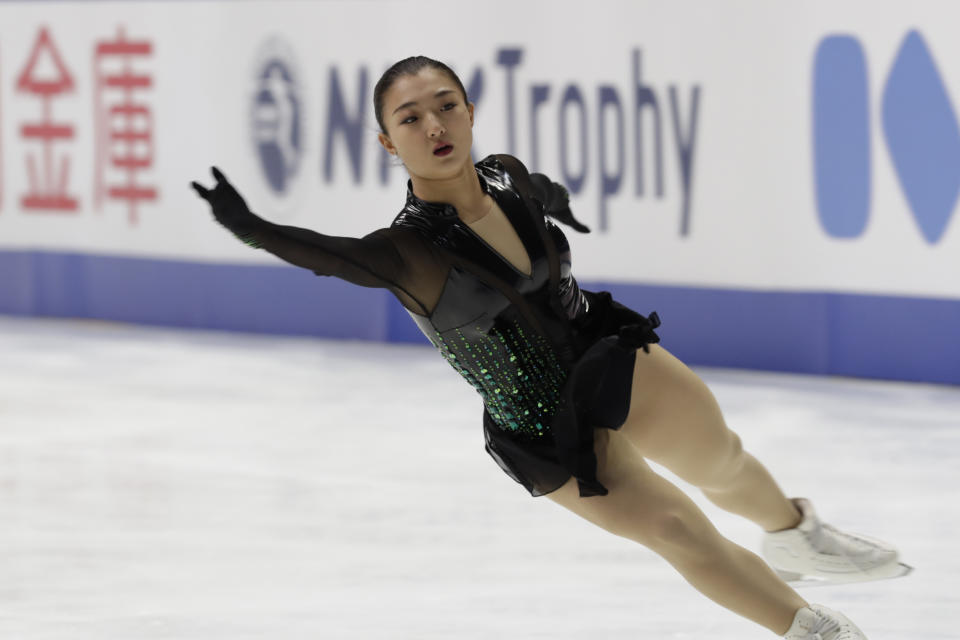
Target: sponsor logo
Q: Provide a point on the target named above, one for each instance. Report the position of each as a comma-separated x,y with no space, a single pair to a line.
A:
276,116
614,138
919,127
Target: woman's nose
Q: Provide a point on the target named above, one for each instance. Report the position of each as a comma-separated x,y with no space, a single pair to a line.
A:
435,128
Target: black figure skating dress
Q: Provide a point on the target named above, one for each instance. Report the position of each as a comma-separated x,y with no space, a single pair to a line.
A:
551,362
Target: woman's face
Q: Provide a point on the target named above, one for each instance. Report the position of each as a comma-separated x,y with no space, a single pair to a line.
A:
429,124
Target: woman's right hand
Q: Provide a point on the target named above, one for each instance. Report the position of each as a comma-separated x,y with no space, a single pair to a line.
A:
227,204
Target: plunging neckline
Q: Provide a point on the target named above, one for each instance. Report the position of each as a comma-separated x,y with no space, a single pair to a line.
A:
514,209
494,207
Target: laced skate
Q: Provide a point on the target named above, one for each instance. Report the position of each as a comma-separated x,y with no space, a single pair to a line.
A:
817,622
816,553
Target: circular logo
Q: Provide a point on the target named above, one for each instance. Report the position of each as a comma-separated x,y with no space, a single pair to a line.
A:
276,115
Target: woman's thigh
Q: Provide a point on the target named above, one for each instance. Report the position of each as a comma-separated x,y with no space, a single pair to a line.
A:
675,421
641,505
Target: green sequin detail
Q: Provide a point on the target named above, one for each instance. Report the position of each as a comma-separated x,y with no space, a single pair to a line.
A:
250,240
515,371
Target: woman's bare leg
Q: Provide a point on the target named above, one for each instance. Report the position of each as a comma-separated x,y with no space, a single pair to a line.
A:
675,421
646,508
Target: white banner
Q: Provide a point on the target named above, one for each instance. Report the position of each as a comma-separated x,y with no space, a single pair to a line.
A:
800,146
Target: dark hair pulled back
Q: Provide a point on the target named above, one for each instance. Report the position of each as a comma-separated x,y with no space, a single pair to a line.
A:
407,67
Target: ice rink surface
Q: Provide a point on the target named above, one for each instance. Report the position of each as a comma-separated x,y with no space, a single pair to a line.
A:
191,485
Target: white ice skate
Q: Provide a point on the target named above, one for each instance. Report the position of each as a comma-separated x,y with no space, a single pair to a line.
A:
815,553
816,622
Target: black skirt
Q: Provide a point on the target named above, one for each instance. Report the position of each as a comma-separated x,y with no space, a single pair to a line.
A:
596,394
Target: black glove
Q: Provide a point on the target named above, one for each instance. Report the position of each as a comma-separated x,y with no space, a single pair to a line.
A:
556,201
228,206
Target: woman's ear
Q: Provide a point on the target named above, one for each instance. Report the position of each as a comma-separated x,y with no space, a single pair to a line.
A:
470,111
387,144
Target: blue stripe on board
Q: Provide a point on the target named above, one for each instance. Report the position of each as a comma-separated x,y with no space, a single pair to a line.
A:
267,299
823,333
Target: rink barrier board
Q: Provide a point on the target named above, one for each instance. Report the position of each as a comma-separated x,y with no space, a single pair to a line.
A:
899,338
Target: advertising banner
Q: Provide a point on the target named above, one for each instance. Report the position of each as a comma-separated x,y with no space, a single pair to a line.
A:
807,148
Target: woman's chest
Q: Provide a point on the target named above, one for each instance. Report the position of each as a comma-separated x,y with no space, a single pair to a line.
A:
498,234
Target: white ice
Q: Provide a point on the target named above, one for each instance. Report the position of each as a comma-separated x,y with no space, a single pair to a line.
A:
193,485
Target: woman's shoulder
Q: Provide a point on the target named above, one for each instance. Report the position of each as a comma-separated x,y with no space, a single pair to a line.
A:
501,165
505,162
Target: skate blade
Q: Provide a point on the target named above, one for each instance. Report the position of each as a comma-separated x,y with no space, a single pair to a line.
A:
803,580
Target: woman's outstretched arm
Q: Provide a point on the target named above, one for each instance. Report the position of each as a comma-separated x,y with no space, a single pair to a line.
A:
371,261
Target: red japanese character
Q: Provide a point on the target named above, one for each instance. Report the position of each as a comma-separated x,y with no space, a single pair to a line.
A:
1,151
50,194
124,125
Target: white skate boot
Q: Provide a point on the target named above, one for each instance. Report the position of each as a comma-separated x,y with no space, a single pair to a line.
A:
813,552
816,622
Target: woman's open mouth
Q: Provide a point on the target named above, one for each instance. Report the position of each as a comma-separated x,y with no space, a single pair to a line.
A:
443,150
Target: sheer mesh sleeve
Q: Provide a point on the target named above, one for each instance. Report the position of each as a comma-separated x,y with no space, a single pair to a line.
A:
394,259
371,261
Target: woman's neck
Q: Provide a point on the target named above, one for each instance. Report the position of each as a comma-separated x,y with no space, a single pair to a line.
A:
462,191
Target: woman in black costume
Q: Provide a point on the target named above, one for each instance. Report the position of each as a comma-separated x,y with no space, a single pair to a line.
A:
576,391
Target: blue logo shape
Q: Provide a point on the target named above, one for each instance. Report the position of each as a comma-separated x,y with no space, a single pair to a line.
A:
276,116
841,136
919,124
922,136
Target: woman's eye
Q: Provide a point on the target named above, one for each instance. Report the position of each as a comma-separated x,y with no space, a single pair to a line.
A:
449,105
408,120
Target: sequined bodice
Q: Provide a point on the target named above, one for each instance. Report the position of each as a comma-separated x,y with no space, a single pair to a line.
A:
477,329
514,369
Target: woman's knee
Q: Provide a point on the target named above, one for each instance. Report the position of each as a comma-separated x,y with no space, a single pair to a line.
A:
729,462
710,466
670,529
676,534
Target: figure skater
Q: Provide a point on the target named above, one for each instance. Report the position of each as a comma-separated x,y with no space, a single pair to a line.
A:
577,393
